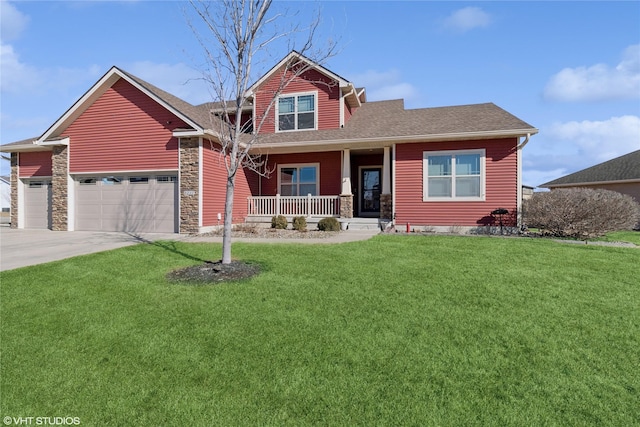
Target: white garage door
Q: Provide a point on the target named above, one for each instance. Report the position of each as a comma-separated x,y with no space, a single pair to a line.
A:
139,203
37,203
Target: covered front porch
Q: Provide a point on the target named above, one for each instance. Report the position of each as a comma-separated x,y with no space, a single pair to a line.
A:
365,187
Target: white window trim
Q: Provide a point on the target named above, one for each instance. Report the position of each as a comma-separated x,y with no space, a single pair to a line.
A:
300,165
296,95
425,176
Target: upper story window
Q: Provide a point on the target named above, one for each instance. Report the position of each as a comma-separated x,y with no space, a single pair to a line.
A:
454,175
296,112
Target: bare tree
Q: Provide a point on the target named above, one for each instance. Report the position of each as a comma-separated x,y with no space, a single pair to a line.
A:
235,35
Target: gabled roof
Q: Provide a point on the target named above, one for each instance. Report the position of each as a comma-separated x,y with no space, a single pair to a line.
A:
177,106
293,55
198,117
624,168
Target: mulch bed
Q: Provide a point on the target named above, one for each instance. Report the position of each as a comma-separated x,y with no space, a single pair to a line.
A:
213,273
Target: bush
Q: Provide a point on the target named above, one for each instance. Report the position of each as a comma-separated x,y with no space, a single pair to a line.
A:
299,223
279,222
328,224
580,212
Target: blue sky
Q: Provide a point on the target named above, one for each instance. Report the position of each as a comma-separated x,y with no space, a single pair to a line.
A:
571,69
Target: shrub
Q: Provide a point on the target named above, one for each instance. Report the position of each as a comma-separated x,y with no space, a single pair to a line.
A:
279,222
328,224
580,212
299,223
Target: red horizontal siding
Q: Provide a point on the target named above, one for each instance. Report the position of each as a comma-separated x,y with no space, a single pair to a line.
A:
328,99
214,188
34,164
501,189
123,130
330,171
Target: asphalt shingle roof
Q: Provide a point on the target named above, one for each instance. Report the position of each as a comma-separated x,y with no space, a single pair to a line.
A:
621,168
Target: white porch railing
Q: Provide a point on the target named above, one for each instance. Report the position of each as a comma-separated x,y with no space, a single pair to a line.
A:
321,206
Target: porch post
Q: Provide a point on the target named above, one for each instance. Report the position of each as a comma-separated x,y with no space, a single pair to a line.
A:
386,202
386,172
346,197
346,172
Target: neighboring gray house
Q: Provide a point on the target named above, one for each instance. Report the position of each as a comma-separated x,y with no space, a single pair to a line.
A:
621,174
5,199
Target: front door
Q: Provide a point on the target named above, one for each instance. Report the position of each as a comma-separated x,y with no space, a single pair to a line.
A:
369,202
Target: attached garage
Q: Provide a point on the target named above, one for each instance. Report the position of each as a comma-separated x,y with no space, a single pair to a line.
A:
37,203
132,203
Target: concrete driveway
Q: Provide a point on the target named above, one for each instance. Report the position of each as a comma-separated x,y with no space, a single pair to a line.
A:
21,248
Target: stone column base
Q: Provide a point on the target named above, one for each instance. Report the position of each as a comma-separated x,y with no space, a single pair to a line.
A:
346,206
386,206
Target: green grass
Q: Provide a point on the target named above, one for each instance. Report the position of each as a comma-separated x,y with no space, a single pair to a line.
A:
397,330
622,236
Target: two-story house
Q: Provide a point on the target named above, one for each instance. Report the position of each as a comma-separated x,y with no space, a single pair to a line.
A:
128,156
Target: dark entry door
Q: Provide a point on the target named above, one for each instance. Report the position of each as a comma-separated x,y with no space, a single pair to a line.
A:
370,191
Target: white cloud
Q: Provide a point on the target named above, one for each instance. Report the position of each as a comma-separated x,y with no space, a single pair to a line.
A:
12,21
598,141
467,19
384,85
568,147
17,77
598,82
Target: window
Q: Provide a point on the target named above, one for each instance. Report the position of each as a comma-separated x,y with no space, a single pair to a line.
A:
36,184
138,180
297,112
87,181
298,180
166,179
453,175
112,180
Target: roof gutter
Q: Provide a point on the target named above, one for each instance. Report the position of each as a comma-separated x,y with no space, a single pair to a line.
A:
405,139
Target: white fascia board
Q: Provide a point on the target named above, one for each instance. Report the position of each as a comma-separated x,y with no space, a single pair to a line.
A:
26,147
54,142
309,146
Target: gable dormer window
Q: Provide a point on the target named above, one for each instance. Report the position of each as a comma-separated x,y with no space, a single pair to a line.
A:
296,112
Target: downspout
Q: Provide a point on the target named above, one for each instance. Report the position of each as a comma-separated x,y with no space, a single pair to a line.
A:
519,148
342,105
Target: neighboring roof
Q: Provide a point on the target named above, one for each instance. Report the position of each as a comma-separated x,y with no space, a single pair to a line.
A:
5,179
623,168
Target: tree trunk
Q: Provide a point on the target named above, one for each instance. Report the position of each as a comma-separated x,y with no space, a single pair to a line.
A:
228,221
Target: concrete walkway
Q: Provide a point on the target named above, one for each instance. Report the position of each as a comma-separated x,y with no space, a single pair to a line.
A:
21,248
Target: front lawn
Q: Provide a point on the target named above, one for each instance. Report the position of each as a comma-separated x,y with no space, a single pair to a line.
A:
397,330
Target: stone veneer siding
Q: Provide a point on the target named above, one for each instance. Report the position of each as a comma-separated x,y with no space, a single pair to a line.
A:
14,190
59,188
346,206
188,185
